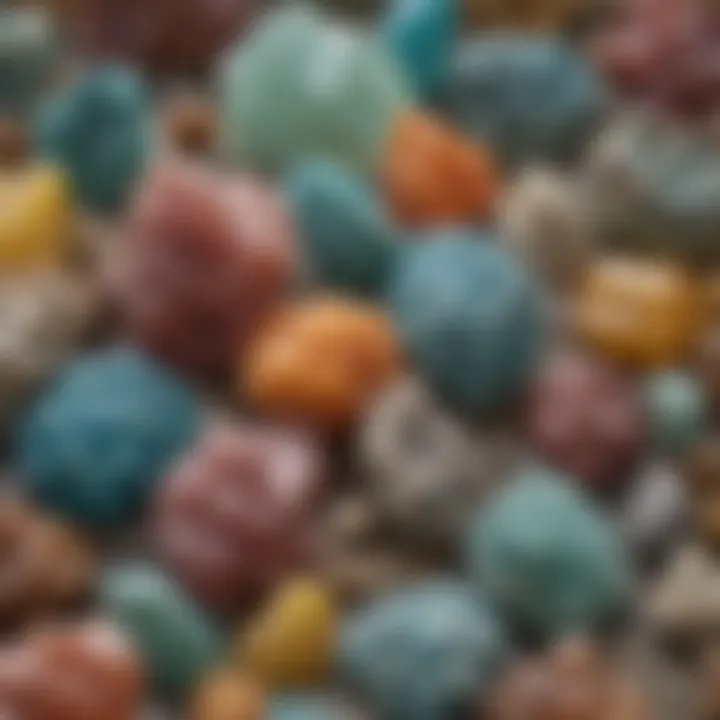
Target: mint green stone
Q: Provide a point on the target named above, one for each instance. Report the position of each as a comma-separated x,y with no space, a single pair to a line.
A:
305,85
177,642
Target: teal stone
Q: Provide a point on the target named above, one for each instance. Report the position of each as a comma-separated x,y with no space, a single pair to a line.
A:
421,33
28,51
346,238
98,131
95,441
303,85
547,557
529,98
424,652
177,643
677,410
469,318
306,706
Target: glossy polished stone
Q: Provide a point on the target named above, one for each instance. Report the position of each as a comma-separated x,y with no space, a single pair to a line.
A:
227,694
430,175
424,651
346,237
548,558
585,417
425,469
655,187
176,642
45,564
320,360
468,318
677,410
97,438
97,131
36,219
665,52
310,706
205,525
175,37
421,34
637,311
205,256
702,474
28,48
76,672
528,98
290,643
305,85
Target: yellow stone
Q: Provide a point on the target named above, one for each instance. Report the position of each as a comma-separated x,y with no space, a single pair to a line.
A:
35,218
290,644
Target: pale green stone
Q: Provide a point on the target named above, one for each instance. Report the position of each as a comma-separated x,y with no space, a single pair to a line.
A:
305,85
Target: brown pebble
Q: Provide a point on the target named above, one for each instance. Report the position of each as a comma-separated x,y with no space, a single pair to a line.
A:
190,124
13,143
228,695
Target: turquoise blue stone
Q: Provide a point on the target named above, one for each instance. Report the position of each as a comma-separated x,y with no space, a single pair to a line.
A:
305,706
677,410
303,86
468,316
425,652
98,131
96,440
28,50
548,558
176,641
421,33
530,99
346,237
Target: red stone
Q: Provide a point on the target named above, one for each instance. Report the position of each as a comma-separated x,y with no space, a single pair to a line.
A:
585,418
205,257
236,513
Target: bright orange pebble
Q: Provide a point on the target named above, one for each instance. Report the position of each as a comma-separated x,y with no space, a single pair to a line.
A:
430,174
320,360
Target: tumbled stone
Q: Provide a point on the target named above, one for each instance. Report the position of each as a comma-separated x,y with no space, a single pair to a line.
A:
175,37
570,680
654,513
205,256
36,219
544,221
421,34
544,15
676,409
346,237
45,564
97,131
685,604
226,694
585,417
321,360
178,644
189,123
13,143
28,50
528,98
97,438
305,85
430,175
706,704
310,706
424,651
640,311
707,362
44,318
655,187
664,52
424,468
78,672
290,643
232,516
702,473
548,558
468,318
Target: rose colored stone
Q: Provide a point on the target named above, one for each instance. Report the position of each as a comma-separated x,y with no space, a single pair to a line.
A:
234,515
165,36
584,417
206,255
82,673
667,51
